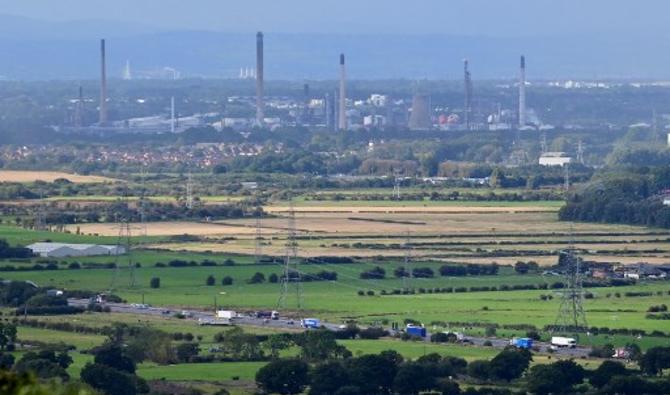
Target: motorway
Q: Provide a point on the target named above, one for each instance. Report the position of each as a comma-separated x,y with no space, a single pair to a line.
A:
252,320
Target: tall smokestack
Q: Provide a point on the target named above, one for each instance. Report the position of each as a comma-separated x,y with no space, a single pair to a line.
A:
467,110
103,84
342,114
172,115
522,93
260,106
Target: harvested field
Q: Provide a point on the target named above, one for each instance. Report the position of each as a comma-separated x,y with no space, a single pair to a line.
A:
466,207
209,229
49,176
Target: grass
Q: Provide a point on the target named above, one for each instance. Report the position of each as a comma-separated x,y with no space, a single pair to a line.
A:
219,371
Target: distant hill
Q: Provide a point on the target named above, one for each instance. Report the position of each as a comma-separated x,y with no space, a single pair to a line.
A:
35,50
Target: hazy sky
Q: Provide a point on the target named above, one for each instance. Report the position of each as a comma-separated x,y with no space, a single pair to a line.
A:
470,17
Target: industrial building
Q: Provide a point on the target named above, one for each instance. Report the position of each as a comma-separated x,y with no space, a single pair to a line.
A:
62,250
554,159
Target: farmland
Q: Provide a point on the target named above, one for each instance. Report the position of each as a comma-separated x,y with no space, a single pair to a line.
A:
374,234
23,176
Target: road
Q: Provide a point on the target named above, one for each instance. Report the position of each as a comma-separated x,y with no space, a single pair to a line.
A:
250,320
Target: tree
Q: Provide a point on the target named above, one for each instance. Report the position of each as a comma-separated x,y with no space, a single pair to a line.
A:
604,373
328,378
257,278
287,376
521,267
155,282
210,280
413,378
273,278
227,281
278,342
372,374
115,357
479,369
40,365
509,364
7,334
556,378
6,361
109,380
655,360
186,351
448,387
320,345
631,385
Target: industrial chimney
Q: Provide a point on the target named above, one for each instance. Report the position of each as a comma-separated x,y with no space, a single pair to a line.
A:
467,110
522,93
103,84
342,114
260,106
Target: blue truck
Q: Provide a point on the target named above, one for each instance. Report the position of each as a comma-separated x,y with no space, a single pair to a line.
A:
310,323
522,342
414,330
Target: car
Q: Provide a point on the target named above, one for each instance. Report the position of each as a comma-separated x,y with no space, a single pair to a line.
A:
290,322
165,312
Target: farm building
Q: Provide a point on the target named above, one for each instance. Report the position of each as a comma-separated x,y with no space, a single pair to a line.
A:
61,250
554,159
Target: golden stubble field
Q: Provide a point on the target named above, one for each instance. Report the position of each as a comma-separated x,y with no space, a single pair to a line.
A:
49,176
466,235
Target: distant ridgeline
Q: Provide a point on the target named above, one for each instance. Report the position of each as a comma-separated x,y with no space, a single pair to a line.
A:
634,197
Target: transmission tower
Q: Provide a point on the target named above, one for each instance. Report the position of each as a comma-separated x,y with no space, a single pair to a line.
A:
580,151
408,278
40,214
141,205
124,241
189,191
258,252
291,277
467,111
543,143
571,317
566,175
396,184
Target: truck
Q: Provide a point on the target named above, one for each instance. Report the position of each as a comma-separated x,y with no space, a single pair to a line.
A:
522,342
214,321
227,314
414,330
310,323
563,342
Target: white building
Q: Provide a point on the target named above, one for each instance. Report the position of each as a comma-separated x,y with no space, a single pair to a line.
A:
62,250
554,159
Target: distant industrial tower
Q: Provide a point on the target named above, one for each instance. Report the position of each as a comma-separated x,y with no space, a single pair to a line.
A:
127,75
291,274
522,93
103,84
260,105
342,108
172,116
420,119
79,109
467,108
571,317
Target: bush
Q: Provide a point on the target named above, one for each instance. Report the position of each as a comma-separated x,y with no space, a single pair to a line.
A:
273,278
155,282
227,281
376,273
210,280
257,278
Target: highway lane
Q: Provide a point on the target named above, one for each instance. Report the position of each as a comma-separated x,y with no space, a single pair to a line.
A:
284,323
